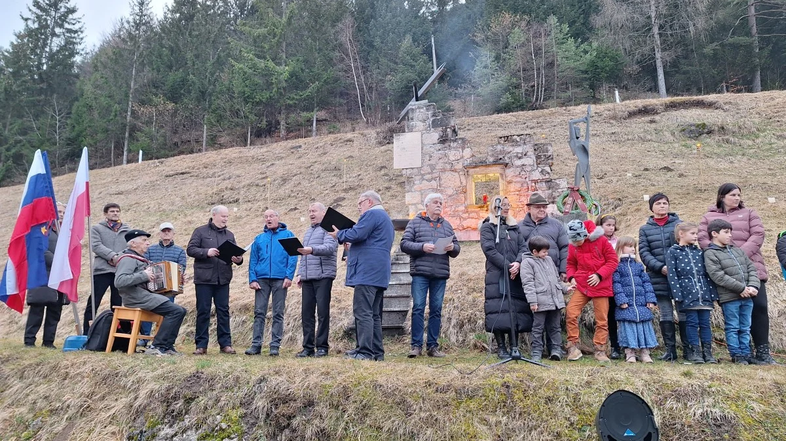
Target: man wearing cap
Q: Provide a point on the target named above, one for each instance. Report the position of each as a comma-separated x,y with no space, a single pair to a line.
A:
164,250
107,240
538,223
211,279
131,278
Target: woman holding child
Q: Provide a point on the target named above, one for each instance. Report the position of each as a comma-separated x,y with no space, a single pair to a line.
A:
747,234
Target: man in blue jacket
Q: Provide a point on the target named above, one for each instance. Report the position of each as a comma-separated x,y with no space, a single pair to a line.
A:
164,250
271,271
368,271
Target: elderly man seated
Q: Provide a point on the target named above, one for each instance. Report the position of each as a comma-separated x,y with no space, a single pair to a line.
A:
131,280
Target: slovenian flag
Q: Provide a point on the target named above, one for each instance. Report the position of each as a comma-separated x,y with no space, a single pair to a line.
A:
67,263
26,267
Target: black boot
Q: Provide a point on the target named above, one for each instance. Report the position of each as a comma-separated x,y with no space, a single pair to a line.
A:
502,350
763,354
693,354
615,353
668,330
686,349
706,352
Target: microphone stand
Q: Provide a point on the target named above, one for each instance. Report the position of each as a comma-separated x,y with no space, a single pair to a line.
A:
515,354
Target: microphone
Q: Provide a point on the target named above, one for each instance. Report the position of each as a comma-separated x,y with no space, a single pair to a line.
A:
497,203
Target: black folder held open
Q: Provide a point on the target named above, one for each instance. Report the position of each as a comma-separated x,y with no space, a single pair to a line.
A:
227,250
333,217
291,244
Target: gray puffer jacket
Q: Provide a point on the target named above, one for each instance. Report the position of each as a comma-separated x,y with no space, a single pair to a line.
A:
422,230
107,244
731,270
321,263
541,283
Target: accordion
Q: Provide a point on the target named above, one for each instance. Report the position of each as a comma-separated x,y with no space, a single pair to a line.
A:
167,279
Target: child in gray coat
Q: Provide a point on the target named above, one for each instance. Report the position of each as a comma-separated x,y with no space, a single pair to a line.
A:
545,295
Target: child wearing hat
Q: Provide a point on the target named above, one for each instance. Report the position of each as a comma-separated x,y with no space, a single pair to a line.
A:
591,265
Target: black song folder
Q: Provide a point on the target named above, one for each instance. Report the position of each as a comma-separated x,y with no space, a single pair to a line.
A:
291,244
227,250
333,217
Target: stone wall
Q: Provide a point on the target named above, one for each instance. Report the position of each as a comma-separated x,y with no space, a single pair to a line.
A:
449,163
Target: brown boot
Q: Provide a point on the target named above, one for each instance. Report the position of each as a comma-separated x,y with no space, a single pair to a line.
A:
574,353
645,356
600,354
630,355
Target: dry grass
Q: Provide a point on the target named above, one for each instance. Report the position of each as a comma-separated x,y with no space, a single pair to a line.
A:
637,149
289,399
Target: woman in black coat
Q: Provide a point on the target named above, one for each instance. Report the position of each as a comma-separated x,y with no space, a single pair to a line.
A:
503,260
655,238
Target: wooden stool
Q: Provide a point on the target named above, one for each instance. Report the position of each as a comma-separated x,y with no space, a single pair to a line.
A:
138,316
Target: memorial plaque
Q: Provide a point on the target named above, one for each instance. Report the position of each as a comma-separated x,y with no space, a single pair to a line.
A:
407,150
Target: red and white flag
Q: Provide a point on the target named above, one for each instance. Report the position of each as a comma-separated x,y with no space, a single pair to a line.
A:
67,263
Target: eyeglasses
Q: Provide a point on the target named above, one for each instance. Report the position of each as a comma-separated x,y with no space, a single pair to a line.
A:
360,202
505,205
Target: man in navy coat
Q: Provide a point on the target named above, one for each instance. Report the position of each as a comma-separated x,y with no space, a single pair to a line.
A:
368,271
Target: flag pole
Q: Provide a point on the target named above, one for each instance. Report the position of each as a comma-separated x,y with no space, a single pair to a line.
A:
90,262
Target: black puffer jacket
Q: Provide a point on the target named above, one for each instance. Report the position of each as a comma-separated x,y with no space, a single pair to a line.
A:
654,242
511,246
210,270
422,230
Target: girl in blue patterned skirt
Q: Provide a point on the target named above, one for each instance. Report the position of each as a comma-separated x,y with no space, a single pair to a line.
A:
635,299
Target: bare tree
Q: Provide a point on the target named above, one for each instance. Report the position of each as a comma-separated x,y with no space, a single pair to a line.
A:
347,34
139,27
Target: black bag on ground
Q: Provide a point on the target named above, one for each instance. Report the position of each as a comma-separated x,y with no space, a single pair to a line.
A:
98,334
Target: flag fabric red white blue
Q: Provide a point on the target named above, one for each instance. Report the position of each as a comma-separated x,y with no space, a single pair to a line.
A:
67,263
26,267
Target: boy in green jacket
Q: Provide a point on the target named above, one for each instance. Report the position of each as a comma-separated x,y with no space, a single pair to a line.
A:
735,276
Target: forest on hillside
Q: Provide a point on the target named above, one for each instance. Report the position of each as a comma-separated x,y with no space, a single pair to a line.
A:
240,72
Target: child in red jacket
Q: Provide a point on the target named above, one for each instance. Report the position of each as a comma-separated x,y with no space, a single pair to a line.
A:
591,265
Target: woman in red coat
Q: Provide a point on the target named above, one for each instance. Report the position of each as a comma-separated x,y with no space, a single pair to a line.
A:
591,265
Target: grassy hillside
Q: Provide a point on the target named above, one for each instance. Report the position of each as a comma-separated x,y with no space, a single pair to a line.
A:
637,148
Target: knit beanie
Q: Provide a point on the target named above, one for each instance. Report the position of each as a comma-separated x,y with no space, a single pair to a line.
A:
656,197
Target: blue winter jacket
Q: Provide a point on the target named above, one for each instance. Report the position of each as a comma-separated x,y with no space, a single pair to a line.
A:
632,286
369,256
690,285
167,253
269,260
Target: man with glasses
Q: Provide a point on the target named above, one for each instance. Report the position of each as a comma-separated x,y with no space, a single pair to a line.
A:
270,273
538,223
368,271
430,269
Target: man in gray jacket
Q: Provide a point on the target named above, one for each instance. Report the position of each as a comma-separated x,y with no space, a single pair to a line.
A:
315,276
430,269
131,279
107,240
